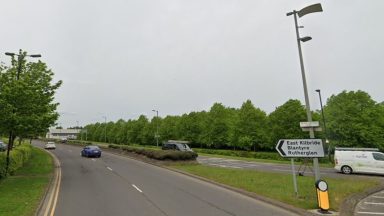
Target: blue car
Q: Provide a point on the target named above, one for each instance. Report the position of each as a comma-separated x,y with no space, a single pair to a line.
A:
91,151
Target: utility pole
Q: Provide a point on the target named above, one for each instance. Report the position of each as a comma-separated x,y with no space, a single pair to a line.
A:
157,127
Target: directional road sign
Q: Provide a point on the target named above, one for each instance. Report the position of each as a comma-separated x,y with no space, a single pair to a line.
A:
304,148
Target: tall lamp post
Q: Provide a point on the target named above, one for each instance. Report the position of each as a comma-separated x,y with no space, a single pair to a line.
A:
307,10
157,127
105,129
325,127
20,59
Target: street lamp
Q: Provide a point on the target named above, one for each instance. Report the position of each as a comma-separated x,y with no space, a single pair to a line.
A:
105,129
157,127
325,127
309,9
20,58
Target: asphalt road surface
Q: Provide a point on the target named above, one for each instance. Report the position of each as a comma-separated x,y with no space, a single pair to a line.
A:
280,168
371,205
116,185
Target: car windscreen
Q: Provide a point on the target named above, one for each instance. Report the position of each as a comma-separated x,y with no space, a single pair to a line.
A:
183,146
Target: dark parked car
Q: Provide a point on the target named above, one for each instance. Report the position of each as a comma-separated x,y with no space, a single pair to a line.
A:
3,147
91,151
176,145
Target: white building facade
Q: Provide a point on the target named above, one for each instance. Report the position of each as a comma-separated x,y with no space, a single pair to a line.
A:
63,133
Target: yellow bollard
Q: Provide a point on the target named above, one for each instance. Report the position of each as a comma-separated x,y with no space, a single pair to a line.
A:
322,195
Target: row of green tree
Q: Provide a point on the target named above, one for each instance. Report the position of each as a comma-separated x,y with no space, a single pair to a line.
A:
353,119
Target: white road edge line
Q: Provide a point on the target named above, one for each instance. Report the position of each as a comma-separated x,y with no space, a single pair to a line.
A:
109,168
371,213
138,189
378,197
373,203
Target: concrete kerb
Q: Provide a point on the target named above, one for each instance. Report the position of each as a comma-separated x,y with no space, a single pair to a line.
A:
347,207
44,202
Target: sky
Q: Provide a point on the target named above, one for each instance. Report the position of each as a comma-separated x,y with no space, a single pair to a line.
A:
120,59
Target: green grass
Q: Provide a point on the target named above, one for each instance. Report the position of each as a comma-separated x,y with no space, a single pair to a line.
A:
280,186
21,193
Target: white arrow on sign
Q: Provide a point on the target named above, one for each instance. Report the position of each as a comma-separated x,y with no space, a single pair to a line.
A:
305,148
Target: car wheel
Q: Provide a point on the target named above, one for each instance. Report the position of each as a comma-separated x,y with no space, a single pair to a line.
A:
346,169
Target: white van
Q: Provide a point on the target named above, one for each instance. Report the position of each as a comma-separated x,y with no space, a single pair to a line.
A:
359,160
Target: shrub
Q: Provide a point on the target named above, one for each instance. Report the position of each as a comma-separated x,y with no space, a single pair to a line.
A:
157,154
18,156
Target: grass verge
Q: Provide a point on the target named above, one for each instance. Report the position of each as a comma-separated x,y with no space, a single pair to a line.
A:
22,192
280,186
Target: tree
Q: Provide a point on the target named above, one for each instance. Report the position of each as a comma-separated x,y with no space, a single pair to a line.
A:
27,105
284,122
219,126
250,127
355,120
26,99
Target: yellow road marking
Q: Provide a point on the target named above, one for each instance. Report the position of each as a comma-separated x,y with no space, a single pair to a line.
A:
53,198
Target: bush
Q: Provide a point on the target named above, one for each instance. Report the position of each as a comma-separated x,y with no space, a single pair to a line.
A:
18,156
157,154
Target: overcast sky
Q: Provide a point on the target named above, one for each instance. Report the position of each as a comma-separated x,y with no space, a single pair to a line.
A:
123,58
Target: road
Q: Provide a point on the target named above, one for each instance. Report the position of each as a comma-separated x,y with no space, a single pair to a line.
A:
280,168
116,185
371,205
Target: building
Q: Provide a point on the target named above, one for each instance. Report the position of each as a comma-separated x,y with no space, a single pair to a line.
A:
63,133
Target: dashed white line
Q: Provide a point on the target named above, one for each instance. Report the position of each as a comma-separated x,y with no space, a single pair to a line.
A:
381,197
138,189
373,203
93,159
109,168
371,213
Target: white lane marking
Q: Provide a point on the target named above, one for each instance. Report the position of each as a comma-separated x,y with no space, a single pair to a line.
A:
373,203
69,150
382,197
93,159
138,189
109,168
371,213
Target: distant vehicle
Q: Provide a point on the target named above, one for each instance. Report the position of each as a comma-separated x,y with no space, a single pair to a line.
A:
176,145
359,160
3,147
50,145
63,140
91,151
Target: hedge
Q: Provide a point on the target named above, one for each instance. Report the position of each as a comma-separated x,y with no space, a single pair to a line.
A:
18,156
157,154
